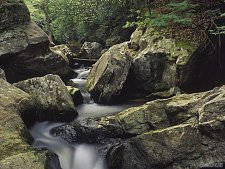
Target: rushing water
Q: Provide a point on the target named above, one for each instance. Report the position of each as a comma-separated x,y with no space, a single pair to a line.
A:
80,156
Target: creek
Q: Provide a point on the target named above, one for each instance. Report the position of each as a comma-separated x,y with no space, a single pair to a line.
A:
76,156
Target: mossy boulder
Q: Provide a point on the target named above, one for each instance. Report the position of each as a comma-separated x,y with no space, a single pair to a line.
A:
15,152
51,97
183,131
91,50
30,160
24,53
108,75
13,12
24,47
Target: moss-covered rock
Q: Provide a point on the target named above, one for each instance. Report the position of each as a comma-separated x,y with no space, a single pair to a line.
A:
108,75
13,12
191,133
14,150
30,160
24,47
51,97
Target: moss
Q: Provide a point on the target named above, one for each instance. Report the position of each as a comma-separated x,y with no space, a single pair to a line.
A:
72,90
28,160
12,144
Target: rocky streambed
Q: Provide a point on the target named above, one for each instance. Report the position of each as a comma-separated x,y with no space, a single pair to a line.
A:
180,124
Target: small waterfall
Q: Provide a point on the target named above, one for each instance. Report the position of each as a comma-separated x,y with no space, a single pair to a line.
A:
79,156
80,82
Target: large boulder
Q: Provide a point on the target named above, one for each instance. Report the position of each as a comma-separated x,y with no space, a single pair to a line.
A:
24,53
15,153
24,47
13,12
108,75
162,62
51,97
186,130
183,131
157,59
91,50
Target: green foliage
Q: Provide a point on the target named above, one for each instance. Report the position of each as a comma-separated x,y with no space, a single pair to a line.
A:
175,13
37,14
69,19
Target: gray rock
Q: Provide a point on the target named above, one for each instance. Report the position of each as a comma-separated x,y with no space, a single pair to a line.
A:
2,74
91,50
24,53
108,75
13,12
193,137
51,97
15,152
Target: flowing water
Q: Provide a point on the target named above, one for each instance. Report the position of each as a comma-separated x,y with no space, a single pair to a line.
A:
80,156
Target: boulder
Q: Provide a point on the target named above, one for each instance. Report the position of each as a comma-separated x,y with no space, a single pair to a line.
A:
76,95
187,131
155,65
108,75
15,152
24,47
51,97
24,53
91,50
63,51
13,12
2,74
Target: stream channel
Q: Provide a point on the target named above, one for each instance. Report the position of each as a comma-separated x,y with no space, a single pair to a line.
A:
76,156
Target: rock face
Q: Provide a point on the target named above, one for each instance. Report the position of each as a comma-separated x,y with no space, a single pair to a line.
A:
13,12
160,63
24,48
15,153
51,97
106,78
91,50
186,130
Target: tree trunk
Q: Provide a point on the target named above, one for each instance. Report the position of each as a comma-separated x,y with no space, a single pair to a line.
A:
47,20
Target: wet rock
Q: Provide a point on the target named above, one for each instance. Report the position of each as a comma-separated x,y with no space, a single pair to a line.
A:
76,95
52,161
2,74
88,130
51,97
193,137
91,50
108,75
15,153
